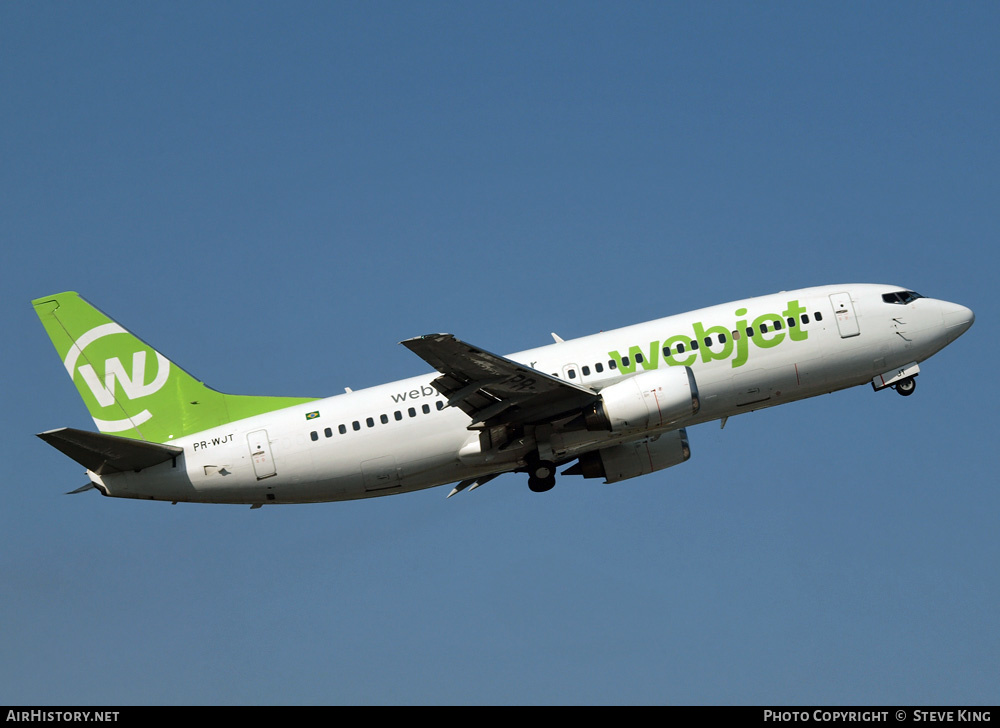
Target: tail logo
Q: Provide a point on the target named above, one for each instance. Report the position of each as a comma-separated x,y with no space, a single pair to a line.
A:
133,387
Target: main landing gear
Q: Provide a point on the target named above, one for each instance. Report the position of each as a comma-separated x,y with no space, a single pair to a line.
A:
541,475
906,387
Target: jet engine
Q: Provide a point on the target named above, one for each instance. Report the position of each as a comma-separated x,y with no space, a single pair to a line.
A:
646,401
632,459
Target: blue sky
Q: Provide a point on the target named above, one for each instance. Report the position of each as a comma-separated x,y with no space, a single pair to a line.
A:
275,194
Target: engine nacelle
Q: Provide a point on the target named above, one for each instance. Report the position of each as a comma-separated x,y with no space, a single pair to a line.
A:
633,459
645,401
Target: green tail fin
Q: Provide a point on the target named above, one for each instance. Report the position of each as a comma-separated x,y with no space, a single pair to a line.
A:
158,401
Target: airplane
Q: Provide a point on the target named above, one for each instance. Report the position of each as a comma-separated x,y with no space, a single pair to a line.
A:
612,405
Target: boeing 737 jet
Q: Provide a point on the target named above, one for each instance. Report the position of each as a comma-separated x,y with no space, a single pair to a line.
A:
614,405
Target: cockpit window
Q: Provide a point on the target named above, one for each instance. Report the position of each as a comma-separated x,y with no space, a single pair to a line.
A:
901,297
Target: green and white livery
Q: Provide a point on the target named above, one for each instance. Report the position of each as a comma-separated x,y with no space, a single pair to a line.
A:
614,405
130,389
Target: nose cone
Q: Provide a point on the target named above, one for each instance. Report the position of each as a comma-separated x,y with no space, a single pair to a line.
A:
957,320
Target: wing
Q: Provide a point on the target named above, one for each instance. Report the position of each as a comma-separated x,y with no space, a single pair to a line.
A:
494,390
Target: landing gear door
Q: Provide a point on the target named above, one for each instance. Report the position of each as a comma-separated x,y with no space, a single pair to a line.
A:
260,453
843,309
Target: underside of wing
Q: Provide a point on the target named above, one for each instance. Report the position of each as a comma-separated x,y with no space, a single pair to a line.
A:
494,390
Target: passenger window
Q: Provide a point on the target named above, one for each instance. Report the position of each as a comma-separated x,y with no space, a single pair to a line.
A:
722,338
599,367
572,373
356,425
328,432
736,335
791,322
427,409
384,419
694,345
585,371
612,364
805,318
398,415
440,404
638,358
314,435
666,351
819,316
750,332
680,348
370,421
624,361
342,429
777,324
708,341
412,412
763,328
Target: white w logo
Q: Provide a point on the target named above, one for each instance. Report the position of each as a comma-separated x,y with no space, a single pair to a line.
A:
133,386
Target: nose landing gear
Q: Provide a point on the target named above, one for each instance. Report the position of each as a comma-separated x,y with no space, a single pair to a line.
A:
901,379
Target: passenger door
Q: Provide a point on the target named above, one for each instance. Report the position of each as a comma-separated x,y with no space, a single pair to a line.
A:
260,453
847,320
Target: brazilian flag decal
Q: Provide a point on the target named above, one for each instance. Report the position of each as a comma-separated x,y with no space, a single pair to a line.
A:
312,415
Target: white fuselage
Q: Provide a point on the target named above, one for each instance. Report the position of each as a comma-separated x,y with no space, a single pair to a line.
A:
401,437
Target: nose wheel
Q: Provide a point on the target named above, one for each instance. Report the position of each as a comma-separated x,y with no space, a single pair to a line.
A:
906,387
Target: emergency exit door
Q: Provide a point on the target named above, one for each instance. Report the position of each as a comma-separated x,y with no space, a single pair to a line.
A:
847,320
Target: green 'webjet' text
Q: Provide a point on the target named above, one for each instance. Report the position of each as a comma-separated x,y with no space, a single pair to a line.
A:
717,343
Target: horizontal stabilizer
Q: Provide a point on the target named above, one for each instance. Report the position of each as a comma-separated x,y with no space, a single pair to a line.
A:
107,453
